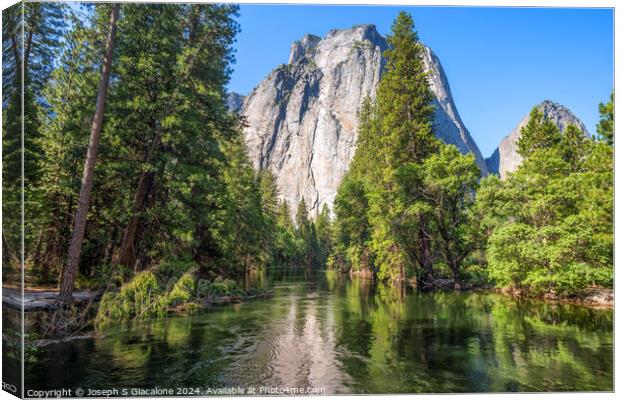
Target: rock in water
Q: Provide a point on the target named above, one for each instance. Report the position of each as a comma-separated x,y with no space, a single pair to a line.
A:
506,159
302,118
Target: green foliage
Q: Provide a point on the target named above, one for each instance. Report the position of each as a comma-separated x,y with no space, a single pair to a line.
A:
182,291
145,296
224,287
309,253
351,231
174,189
539,133
605,127
324,234
401,138
550,223
450,180
285,248
31,37
139,298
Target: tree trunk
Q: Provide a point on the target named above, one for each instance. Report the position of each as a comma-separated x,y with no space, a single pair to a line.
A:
457,277
126,253
425,249
75,247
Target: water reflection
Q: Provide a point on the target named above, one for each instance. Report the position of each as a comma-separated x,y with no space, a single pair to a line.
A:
323,329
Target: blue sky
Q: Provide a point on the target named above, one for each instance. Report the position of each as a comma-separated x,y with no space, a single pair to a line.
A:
500,62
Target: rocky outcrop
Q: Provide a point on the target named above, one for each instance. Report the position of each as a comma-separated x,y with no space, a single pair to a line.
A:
302,118
506,159
234,101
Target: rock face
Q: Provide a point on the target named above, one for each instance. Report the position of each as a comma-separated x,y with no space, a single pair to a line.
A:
506,159
234,101
448,125
302,118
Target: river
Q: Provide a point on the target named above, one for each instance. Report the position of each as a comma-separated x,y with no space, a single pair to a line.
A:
327,333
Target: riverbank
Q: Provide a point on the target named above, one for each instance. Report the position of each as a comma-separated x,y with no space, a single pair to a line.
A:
41,315
593,296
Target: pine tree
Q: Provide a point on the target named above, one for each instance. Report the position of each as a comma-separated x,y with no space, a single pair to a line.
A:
171,118
404,138
573,146
71,96
605,127
539,133
324,234
301,215
73,257
31,37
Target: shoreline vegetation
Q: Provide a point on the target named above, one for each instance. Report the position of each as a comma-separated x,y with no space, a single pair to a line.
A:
191,300
172,213
593,296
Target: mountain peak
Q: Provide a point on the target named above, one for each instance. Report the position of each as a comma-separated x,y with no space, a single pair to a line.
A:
368,31
506,159
303,47
364,35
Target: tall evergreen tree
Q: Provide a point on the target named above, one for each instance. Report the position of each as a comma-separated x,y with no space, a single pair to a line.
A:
605,127
301,215
75,246
324,234
403,136
31,37
171,116
71,96
309,252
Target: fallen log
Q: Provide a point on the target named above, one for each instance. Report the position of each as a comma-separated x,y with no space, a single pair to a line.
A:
37,300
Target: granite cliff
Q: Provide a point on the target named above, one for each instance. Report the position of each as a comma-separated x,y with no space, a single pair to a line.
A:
302,118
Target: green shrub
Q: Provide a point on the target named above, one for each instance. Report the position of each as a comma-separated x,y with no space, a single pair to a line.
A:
143,297
183,291
138,298
225,287
203,288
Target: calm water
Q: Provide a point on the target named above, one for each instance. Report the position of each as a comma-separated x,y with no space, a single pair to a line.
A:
324,330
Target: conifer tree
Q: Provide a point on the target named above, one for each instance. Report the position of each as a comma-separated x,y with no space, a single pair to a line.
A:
404,138
539,133
323,231
73,257
605,127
